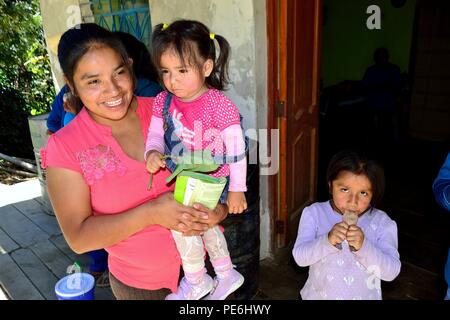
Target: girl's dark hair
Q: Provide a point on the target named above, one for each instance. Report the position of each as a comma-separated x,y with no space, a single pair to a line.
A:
77,41
192,40
358,163
142,62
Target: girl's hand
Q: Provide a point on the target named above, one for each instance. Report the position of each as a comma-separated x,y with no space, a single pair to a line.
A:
175,216
338,233
236,202
154,161
213,217
355,237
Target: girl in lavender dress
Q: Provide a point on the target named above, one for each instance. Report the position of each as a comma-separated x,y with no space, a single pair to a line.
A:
349,245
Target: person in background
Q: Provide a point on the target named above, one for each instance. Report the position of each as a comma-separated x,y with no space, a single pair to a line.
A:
441,191
381,85
143,67
60,106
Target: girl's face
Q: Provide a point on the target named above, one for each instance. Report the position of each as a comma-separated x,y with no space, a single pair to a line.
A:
351,192
183,80
104,84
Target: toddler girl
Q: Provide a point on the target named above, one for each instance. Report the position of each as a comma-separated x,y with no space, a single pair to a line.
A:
193,114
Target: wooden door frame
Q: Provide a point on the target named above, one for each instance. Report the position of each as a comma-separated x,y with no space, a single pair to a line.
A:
276,87
277,27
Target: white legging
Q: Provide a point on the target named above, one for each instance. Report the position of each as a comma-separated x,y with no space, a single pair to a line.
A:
192,252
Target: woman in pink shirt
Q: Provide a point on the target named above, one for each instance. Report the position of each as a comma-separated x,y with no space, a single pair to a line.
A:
96,174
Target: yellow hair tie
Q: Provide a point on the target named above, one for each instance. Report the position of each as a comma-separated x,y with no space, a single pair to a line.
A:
212,36
165,26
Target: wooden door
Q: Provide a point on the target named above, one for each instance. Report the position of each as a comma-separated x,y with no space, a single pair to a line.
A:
300,30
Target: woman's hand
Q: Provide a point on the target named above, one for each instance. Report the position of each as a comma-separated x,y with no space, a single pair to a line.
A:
213,217
175,216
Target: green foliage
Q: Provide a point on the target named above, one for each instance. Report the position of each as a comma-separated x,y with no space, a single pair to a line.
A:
26,86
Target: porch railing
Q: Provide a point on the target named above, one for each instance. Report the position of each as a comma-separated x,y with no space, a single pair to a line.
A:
129,16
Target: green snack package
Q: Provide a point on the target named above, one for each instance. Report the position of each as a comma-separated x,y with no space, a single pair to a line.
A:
197,161
192,184
193,187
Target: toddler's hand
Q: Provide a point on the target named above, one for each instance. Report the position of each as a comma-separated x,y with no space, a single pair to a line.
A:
355,237
338,233
236,202
154,161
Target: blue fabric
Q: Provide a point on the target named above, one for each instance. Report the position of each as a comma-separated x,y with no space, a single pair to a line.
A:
68,117
224,196
55,120
174,146
171,140
447,269
99,262
441,185
441,191
147,88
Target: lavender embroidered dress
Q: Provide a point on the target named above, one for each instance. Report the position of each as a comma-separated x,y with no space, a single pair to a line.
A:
336,274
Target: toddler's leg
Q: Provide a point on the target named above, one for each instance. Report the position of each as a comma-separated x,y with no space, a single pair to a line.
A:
192,255
196,283
228,279
217,248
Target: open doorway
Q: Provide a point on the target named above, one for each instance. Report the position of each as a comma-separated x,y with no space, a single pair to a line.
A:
411,140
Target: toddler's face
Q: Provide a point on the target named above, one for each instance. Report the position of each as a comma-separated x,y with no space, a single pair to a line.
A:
351,192
183,80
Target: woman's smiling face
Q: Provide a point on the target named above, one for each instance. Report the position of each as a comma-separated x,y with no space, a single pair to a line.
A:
104,84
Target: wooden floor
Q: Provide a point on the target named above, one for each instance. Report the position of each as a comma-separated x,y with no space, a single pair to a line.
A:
33,252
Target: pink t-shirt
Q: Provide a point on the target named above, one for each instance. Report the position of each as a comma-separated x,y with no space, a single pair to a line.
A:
148,259
199,123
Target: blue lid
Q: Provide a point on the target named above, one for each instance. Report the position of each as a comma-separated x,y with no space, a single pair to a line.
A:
75,284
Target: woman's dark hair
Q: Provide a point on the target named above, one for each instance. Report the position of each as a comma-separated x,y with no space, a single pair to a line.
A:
77,41
358,163
142,62
193,40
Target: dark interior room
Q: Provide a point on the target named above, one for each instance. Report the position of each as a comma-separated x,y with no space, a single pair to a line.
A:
409,134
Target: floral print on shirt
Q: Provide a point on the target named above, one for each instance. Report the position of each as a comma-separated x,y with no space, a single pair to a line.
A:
95,162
